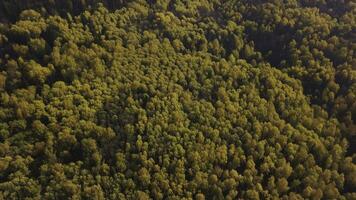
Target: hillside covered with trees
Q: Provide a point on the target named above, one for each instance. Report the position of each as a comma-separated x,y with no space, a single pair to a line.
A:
178,99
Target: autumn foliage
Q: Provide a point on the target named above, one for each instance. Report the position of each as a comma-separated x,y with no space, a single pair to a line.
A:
177,99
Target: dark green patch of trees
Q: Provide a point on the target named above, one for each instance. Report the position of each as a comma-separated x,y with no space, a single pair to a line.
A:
177,99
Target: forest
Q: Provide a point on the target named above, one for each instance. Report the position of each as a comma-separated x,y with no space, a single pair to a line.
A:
178,99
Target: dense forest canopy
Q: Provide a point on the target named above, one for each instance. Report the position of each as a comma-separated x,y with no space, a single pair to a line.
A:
177,99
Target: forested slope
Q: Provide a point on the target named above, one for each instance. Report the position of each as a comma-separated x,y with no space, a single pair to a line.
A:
178,99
